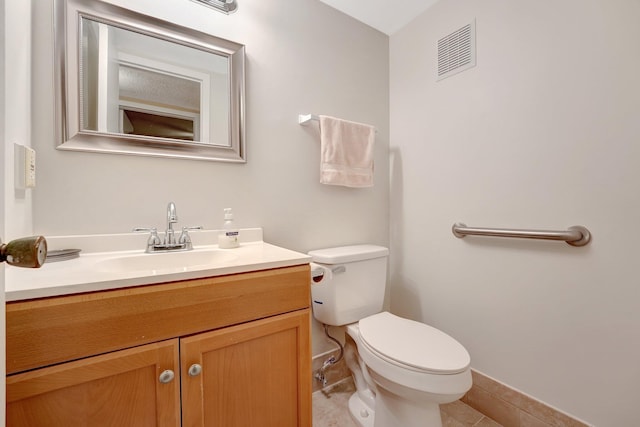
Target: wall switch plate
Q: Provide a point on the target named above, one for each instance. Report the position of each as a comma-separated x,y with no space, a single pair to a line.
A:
25,167
30,168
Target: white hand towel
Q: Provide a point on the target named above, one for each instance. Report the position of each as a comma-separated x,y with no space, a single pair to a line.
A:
346,152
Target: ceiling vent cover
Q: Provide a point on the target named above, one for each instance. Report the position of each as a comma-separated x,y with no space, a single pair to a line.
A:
457,51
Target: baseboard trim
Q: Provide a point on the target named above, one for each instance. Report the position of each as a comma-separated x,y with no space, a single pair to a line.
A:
512,408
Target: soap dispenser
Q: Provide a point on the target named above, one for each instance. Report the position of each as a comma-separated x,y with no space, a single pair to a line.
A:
228,237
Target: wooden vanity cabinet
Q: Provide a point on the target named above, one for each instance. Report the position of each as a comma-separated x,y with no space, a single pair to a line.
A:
115,389
248,375
252,368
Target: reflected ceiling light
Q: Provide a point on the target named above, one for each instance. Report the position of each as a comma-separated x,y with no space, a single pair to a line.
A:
224,6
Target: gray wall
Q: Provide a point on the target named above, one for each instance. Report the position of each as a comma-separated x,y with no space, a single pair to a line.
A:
542,133
302,57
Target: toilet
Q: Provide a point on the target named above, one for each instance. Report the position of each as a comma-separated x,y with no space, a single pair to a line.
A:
403,369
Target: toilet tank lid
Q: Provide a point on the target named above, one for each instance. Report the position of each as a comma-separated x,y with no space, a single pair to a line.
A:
344,254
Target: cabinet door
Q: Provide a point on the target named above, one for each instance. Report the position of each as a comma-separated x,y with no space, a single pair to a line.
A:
116,389
257,374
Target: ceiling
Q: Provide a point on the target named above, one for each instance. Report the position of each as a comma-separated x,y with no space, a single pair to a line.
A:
386,16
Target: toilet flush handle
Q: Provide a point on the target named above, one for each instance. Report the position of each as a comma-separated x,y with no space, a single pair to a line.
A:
339,269
318,272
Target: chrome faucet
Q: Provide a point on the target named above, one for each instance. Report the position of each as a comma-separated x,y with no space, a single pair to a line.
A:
169,243
172,218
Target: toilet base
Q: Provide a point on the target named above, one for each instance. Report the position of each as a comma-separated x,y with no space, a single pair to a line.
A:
392,412
360,412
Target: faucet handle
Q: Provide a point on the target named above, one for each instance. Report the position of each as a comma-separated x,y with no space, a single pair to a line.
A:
154,239
184,236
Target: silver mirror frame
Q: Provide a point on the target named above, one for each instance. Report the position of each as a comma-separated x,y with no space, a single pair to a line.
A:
224,6
69,134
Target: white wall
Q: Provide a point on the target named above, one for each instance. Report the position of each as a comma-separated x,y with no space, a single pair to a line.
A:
16,81
302,57
2,217
15,124
543,133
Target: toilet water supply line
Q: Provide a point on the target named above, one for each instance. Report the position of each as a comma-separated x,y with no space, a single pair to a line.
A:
331,360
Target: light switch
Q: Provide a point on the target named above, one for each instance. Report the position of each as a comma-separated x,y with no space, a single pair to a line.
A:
30,168
25,167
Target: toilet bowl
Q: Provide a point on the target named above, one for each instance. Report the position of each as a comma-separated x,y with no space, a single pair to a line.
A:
410,379
403,369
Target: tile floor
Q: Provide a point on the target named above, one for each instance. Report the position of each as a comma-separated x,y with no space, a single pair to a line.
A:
330,410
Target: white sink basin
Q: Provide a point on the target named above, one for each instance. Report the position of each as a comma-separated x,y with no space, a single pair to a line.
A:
117,261
166,261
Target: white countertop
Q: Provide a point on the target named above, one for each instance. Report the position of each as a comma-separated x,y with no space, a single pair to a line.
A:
97,270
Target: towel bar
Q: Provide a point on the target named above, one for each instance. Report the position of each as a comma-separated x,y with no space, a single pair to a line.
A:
304,119
574,236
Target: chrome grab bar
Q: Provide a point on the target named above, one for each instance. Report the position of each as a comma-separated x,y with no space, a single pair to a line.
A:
574,236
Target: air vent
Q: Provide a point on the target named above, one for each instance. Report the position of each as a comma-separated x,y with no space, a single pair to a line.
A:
457,51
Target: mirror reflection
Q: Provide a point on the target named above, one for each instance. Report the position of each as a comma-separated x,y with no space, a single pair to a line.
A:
129,83
138,85
156,104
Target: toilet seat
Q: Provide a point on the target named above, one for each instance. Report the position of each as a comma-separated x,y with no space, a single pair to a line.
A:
412,345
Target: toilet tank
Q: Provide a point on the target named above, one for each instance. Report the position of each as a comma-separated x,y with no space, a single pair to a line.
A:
348,283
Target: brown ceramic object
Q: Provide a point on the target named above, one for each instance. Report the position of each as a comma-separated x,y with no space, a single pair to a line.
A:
29,252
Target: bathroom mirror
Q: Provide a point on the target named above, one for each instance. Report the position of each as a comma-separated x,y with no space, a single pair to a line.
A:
128,83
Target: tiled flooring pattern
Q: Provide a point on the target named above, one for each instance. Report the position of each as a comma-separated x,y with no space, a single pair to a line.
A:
330,409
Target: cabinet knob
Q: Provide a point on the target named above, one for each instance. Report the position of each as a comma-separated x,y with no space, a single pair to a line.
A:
166,376
194,370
